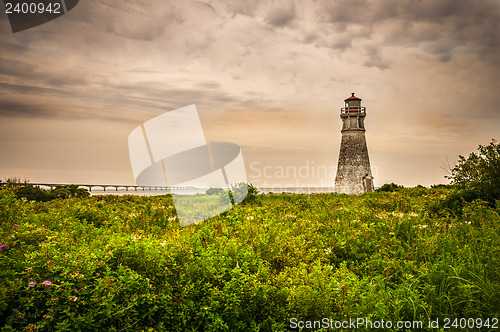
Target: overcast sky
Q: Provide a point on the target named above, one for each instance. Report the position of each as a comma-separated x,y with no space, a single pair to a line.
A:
270,76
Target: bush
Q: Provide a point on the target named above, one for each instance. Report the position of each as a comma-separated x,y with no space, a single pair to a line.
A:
10,208
442,186
454,202
389,187
479,172
214,191
32,193
69,191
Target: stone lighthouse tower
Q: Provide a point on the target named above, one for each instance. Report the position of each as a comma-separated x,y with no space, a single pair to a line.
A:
354,175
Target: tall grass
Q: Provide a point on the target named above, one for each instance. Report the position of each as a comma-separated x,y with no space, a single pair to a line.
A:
120,263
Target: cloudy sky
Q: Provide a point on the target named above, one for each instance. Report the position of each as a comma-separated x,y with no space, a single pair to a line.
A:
270,76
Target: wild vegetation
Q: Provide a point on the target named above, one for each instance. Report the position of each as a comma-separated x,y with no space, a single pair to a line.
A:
480,172
116,263
23,189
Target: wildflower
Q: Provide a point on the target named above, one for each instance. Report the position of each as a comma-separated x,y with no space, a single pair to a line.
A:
46,283
31,284
16,225
3,246
43,242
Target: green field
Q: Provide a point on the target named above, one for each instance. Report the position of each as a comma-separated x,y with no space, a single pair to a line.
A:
123,263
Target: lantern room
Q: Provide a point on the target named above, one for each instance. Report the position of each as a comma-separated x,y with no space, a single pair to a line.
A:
353,105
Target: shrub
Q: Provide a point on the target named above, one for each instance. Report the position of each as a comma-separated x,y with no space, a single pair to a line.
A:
69,191
454,202
214,191
9,206
390,187
479,172
32,193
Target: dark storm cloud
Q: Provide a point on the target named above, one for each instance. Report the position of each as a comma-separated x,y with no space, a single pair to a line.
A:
16,68
23,109
374,58
242,7
29,90
281,15
146,16
9,47
344,11
209,85
92,21
207,6
442,25
34,75
130,102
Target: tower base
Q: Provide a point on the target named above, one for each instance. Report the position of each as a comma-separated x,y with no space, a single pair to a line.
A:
353,172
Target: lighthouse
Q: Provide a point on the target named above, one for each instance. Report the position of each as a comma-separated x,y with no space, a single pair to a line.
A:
354,175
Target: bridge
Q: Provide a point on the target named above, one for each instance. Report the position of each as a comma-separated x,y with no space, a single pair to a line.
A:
103,186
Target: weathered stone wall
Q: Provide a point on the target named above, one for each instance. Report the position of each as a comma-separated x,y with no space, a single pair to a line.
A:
354,163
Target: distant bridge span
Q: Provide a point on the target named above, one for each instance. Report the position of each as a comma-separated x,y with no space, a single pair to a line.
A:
103,186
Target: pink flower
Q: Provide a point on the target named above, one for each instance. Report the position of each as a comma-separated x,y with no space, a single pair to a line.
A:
31,284
3,246
43,242
46,283
16,225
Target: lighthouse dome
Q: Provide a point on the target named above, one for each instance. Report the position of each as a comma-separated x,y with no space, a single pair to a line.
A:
352,97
